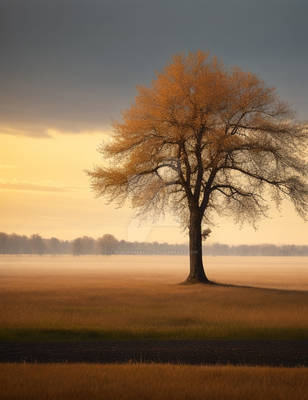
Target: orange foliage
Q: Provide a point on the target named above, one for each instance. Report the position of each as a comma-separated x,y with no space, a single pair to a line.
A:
205,138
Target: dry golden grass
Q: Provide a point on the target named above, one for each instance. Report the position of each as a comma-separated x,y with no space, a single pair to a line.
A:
69,298
150,381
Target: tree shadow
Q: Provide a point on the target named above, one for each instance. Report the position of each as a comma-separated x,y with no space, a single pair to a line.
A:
239,286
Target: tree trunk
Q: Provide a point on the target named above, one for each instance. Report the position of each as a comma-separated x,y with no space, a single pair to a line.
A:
197,274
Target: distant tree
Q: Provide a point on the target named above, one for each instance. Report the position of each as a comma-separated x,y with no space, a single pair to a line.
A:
14,244
3,243
83,245
37,244
77,247
54,245
204,140
23,244
88,245
107,244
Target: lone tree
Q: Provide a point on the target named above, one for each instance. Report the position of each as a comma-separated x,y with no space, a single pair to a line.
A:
204,140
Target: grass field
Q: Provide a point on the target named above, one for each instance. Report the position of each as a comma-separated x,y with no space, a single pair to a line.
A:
125,297
150,381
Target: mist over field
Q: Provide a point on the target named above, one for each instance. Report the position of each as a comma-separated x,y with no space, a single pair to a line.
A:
268,272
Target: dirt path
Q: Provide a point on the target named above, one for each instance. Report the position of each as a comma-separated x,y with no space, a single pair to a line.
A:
250,352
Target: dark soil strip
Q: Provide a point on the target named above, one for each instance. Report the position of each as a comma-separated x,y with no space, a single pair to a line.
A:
251,352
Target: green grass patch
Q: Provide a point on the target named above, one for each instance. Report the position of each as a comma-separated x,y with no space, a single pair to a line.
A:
76,335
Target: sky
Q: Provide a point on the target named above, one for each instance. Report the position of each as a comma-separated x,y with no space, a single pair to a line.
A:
70,67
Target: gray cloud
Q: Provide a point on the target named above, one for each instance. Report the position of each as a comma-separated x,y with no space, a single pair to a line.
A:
23,129
36,129
73,65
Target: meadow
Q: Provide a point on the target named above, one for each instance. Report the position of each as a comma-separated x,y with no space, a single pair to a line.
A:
150,381
64,298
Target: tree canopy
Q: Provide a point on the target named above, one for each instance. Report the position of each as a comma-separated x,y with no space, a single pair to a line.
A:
205,140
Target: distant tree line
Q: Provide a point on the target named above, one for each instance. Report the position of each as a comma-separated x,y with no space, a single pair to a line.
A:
217,249
108,244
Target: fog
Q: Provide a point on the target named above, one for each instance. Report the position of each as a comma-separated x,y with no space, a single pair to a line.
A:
268,272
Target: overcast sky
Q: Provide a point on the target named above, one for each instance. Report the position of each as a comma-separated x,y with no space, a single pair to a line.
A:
69,67
73,65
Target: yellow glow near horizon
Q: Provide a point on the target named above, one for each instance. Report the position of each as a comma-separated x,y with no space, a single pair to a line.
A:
45,190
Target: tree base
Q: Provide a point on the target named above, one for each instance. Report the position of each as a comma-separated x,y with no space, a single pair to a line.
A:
193,281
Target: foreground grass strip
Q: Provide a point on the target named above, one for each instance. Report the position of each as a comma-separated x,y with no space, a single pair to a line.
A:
150,381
